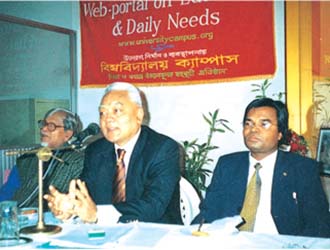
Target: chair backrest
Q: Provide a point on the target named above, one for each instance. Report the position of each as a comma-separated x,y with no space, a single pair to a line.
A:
189,201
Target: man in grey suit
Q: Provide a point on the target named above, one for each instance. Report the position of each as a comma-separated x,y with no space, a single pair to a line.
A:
292,200
151,161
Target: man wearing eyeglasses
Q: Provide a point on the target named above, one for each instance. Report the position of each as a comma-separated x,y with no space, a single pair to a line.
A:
56,129
290,196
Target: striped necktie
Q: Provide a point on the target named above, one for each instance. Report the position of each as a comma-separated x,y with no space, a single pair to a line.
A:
119,186
251,201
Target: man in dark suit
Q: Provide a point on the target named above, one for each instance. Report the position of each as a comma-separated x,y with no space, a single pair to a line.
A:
151,161
292,200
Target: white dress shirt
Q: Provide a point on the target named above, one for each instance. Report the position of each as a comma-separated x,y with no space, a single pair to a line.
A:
108,214
128,147
264,220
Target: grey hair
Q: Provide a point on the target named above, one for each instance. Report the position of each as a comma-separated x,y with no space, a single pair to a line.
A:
133,92
71,121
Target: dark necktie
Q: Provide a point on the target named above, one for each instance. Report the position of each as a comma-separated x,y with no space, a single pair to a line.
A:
251,201
119,186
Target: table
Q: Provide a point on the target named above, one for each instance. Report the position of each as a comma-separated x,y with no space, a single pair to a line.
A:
138,235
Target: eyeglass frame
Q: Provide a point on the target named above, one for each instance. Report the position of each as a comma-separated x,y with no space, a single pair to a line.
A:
263,124
50,125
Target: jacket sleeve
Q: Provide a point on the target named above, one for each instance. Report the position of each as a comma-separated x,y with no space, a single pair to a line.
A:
299,204
314,209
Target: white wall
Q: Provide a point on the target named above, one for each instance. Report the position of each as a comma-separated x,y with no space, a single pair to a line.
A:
177,111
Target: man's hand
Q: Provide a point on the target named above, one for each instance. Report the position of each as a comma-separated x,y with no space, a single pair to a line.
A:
61,205
84,207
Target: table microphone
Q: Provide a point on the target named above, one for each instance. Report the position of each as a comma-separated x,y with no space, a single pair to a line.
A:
91,130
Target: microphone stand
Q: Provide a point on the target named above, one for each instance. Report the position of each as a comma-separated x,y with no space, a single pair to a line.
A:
43,154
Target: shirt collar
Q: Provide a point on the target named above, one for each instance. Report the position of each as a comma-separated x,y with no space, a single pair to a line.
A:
268,160
129,146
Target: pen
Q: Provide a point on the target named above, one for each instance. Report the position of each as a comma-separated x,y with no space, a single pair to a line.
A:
201,224
199,232
241,223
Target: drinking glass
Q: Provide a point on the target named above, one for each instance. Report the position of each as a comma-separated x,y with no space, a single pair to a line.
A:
9,228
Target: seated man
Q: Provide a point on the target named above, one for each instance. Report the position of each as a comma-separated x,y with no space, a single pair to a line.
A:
288,196
56,129
148,187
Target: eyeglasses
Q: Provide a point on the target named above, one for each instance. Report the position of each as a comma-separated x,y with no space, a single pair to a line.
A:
263,124
50,125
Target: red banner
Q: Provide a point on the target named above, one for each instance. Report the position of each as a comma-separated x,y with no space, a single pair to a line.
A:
166,42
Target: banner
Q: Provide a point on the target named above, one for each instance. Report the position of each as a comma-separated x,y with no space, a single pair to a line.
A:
321,40
167,42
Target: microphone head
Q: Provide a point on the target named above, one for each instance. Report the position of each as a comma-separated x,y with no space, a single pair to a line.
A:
80,140
92,129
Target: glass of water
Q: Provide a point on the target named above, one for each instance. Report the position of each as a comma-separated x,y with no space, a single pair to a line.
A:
9,228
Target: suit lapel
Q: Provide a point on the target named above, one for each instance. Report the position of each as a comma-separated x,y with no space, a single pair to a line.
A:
109,157
281,178
283,206
137,153
135,163
280,182
241,183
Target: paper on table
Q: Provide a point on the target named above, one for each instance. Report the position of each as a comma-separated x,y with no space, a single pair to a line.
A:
138,237
226,225
222,226
78,237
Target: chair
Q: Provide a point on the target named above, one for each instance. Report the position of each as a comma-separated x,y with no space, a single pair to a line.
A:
189,201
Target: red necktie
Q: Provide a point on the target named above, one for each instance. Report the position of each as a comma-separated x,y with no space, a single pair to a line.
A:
119,186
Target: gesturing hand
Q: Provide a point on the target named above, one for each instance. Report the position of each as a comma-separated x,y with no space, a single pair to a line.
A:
61,205
84,207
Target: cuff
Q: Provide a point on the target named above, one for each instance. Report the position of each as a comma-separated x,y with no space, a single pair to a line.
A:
107,215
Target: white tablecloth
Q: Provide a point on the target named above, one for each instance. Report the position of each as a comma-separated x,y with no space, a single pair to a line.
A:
139,235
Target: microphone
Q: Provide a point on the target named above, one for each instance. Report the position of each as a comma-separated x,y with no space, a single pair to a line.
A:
91,130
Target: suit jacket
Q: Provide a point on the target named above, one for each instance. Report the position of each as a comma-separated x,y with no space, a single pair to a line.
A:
152,180
307,215
56,173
